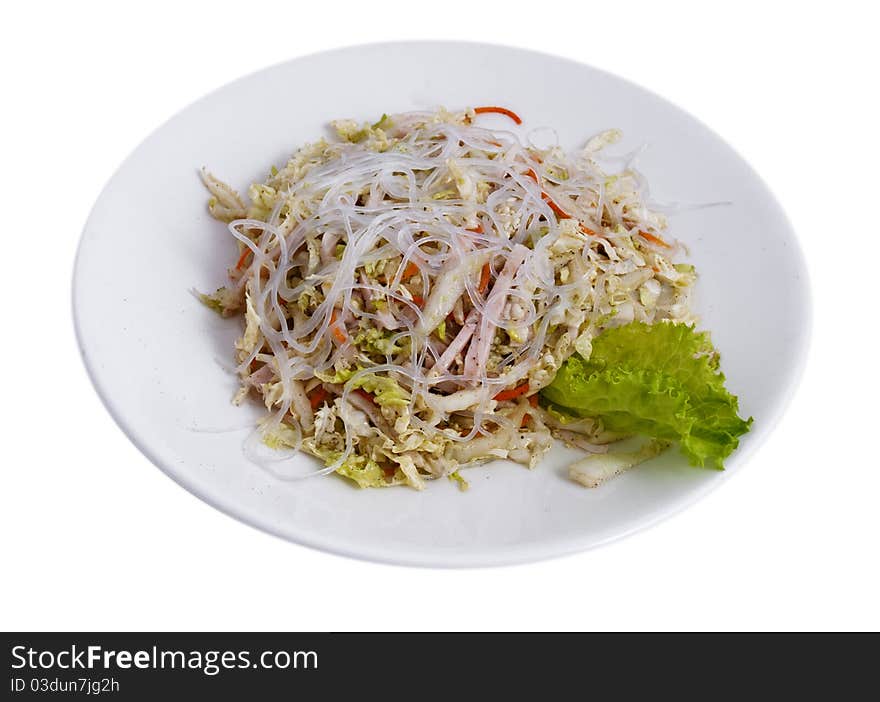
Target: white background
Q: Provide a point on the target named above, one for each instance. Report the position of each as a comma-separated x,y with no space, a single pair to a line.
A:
94,537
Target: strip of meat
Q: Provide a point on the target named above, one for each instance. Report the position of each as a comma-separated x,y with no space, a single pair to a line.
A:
478,353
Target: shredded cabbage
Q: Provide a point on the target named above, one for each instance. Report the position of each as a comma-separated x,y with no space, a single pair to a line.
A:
596,469
410,286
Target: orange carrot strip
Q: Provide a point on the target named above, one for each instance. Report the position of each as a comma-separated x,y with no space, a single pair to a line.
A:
485,274
653,239
340,335
512,392
419,300
562,214
498,110
410,270
533,401
242,258
317,397
477,230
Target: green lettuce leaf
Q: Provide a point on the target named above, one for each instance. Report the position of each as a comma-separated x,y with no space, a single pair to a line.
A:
660,380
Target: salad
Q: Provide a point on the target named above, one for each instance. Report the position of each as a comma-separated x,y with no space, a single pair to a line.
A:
422,294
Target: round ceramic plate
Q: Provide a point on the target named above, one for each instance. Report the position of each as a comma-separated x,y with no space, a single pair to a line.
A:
157,356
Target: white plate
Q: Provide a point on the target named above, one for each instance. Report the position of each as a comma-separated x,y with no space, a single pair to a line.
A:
152,349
